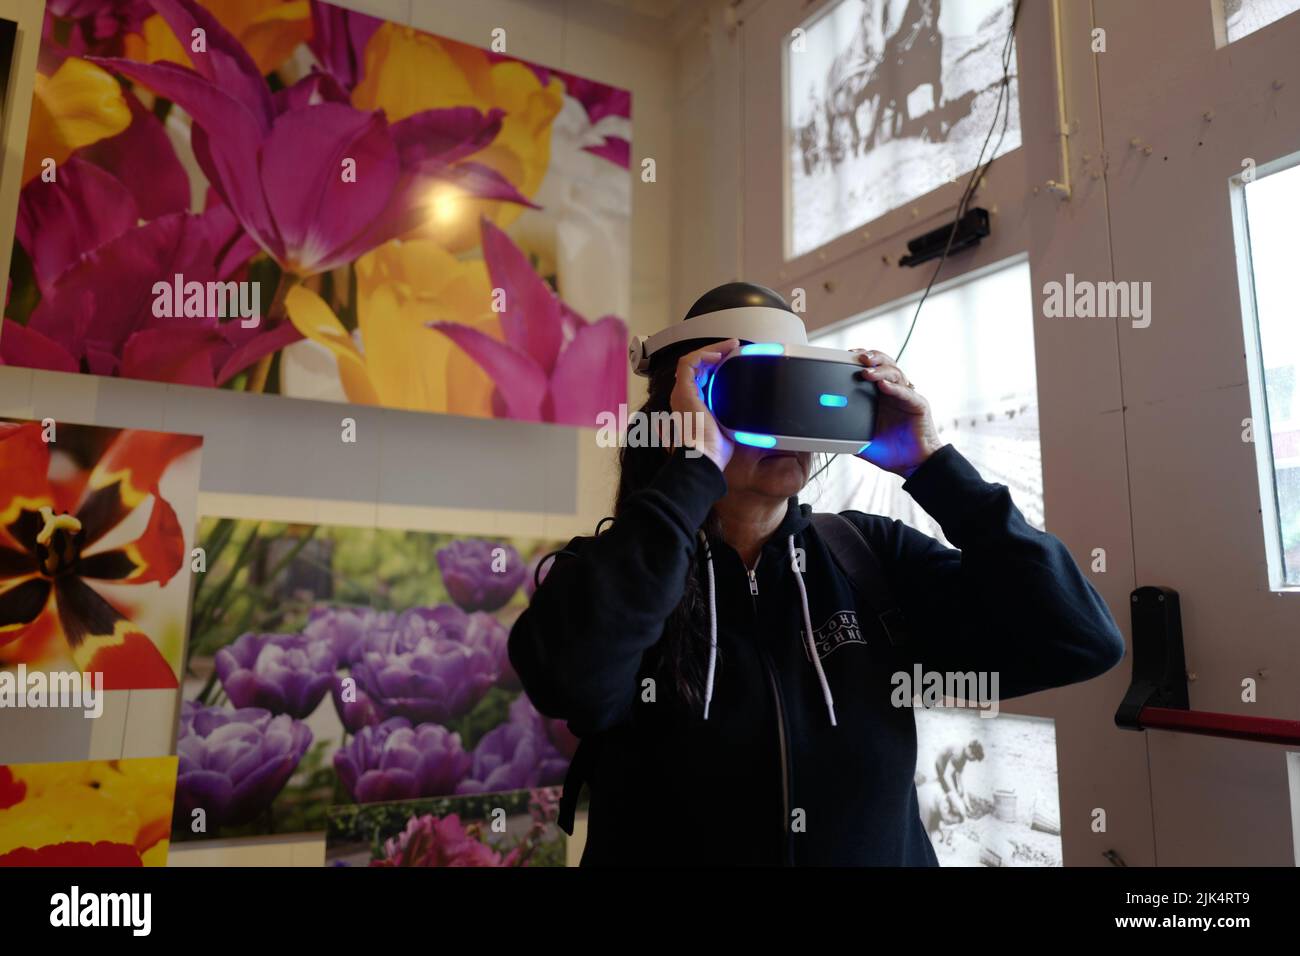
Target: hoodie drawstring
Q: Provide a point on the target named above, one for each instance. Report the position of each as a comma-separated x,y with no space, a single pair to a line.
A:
812,644
808,631
713,629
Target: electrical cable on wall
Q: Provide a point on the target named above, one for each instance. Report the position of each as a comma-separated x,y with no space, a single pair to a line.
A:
977,174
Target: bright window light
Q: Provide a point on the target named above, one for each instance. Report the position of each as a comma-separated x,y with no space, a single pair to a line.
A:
972,356
1271,251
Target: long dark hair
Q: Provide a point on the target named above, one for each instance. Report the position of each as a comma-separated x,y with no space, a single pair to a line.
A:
681,657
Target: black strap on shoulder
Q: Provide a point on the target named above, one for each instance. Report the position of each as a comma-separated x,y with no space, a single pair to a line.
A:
573,781
860,564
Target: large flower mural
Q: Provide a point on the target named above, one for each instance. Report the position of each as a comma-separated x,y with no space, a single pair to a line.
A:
342,168
62,549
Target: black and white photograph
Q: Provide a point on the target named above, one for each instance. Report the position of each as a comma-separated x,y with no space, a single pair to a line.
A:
887,100
987,788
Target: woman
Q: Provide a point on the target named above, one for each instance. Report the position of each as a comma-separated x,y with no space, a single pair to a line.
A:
782,741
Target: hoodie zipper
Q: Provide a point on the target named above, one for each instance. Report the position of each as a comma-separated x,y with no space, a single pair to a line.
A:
780,718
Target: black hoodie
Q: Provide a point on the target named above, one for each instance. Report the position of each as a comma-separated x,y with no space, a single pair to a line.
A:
767,778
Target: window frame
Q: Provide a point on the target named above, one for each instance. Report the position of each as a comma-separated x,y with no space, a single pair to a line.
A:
1256,377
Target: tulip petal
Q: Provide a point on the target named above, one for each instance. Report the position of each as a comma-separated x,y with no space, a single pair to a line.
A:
339,39
83,209
28,348
182,356
480,182
155,556
226,64
415,200
591,374
531,319
231,245
277,30
85,616
615,149
267,778
229,156
108,293
318,212
25,465
22,604
102,640
79,105
255,348
131,663
312,90
314,319
16,564
145,162
136,461
519,381
73,853
446,134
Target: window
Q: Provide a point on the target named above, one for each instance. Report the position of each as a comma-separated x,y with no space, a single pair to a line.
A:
972,357
1240,18
1271,250
886,101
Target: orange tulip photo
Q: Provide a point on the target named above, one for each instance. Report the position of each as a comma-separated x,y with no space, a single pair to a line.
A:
96,526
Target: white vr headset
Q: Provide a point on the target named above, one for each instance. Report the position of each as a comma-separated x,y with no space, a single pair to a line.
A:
775,391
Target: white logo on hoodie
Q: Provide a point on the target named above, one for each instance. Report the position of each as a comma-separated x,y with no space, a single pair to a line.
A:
840,628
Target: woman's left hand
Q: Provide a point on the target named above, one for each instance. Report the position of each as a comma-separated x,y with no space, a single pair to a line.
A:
905,433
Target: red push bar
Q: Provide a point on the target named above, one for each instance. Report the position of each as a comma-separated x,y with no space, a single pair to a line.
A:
1266,730
1157,692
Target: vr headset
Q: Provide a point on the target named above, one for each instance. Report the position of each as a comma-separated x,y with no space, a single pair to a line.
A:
776,390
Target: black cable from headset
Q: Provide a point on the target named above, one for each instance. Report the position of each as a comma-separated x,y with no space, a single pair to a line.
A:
977,174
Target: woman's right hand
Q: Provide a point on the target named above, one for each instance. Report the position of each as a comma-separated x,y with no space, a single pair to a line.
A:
703,433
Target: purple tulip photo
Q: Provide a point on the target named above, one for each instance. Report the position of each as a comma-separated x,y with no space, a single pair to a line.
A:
284,673
233,763
353,705
343,627
485,631
395,761
515,755
416,670
477,578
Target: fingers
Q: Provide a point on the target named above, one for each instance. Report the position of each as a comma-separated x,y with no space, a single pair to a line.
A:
879,367
905,395
696,365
